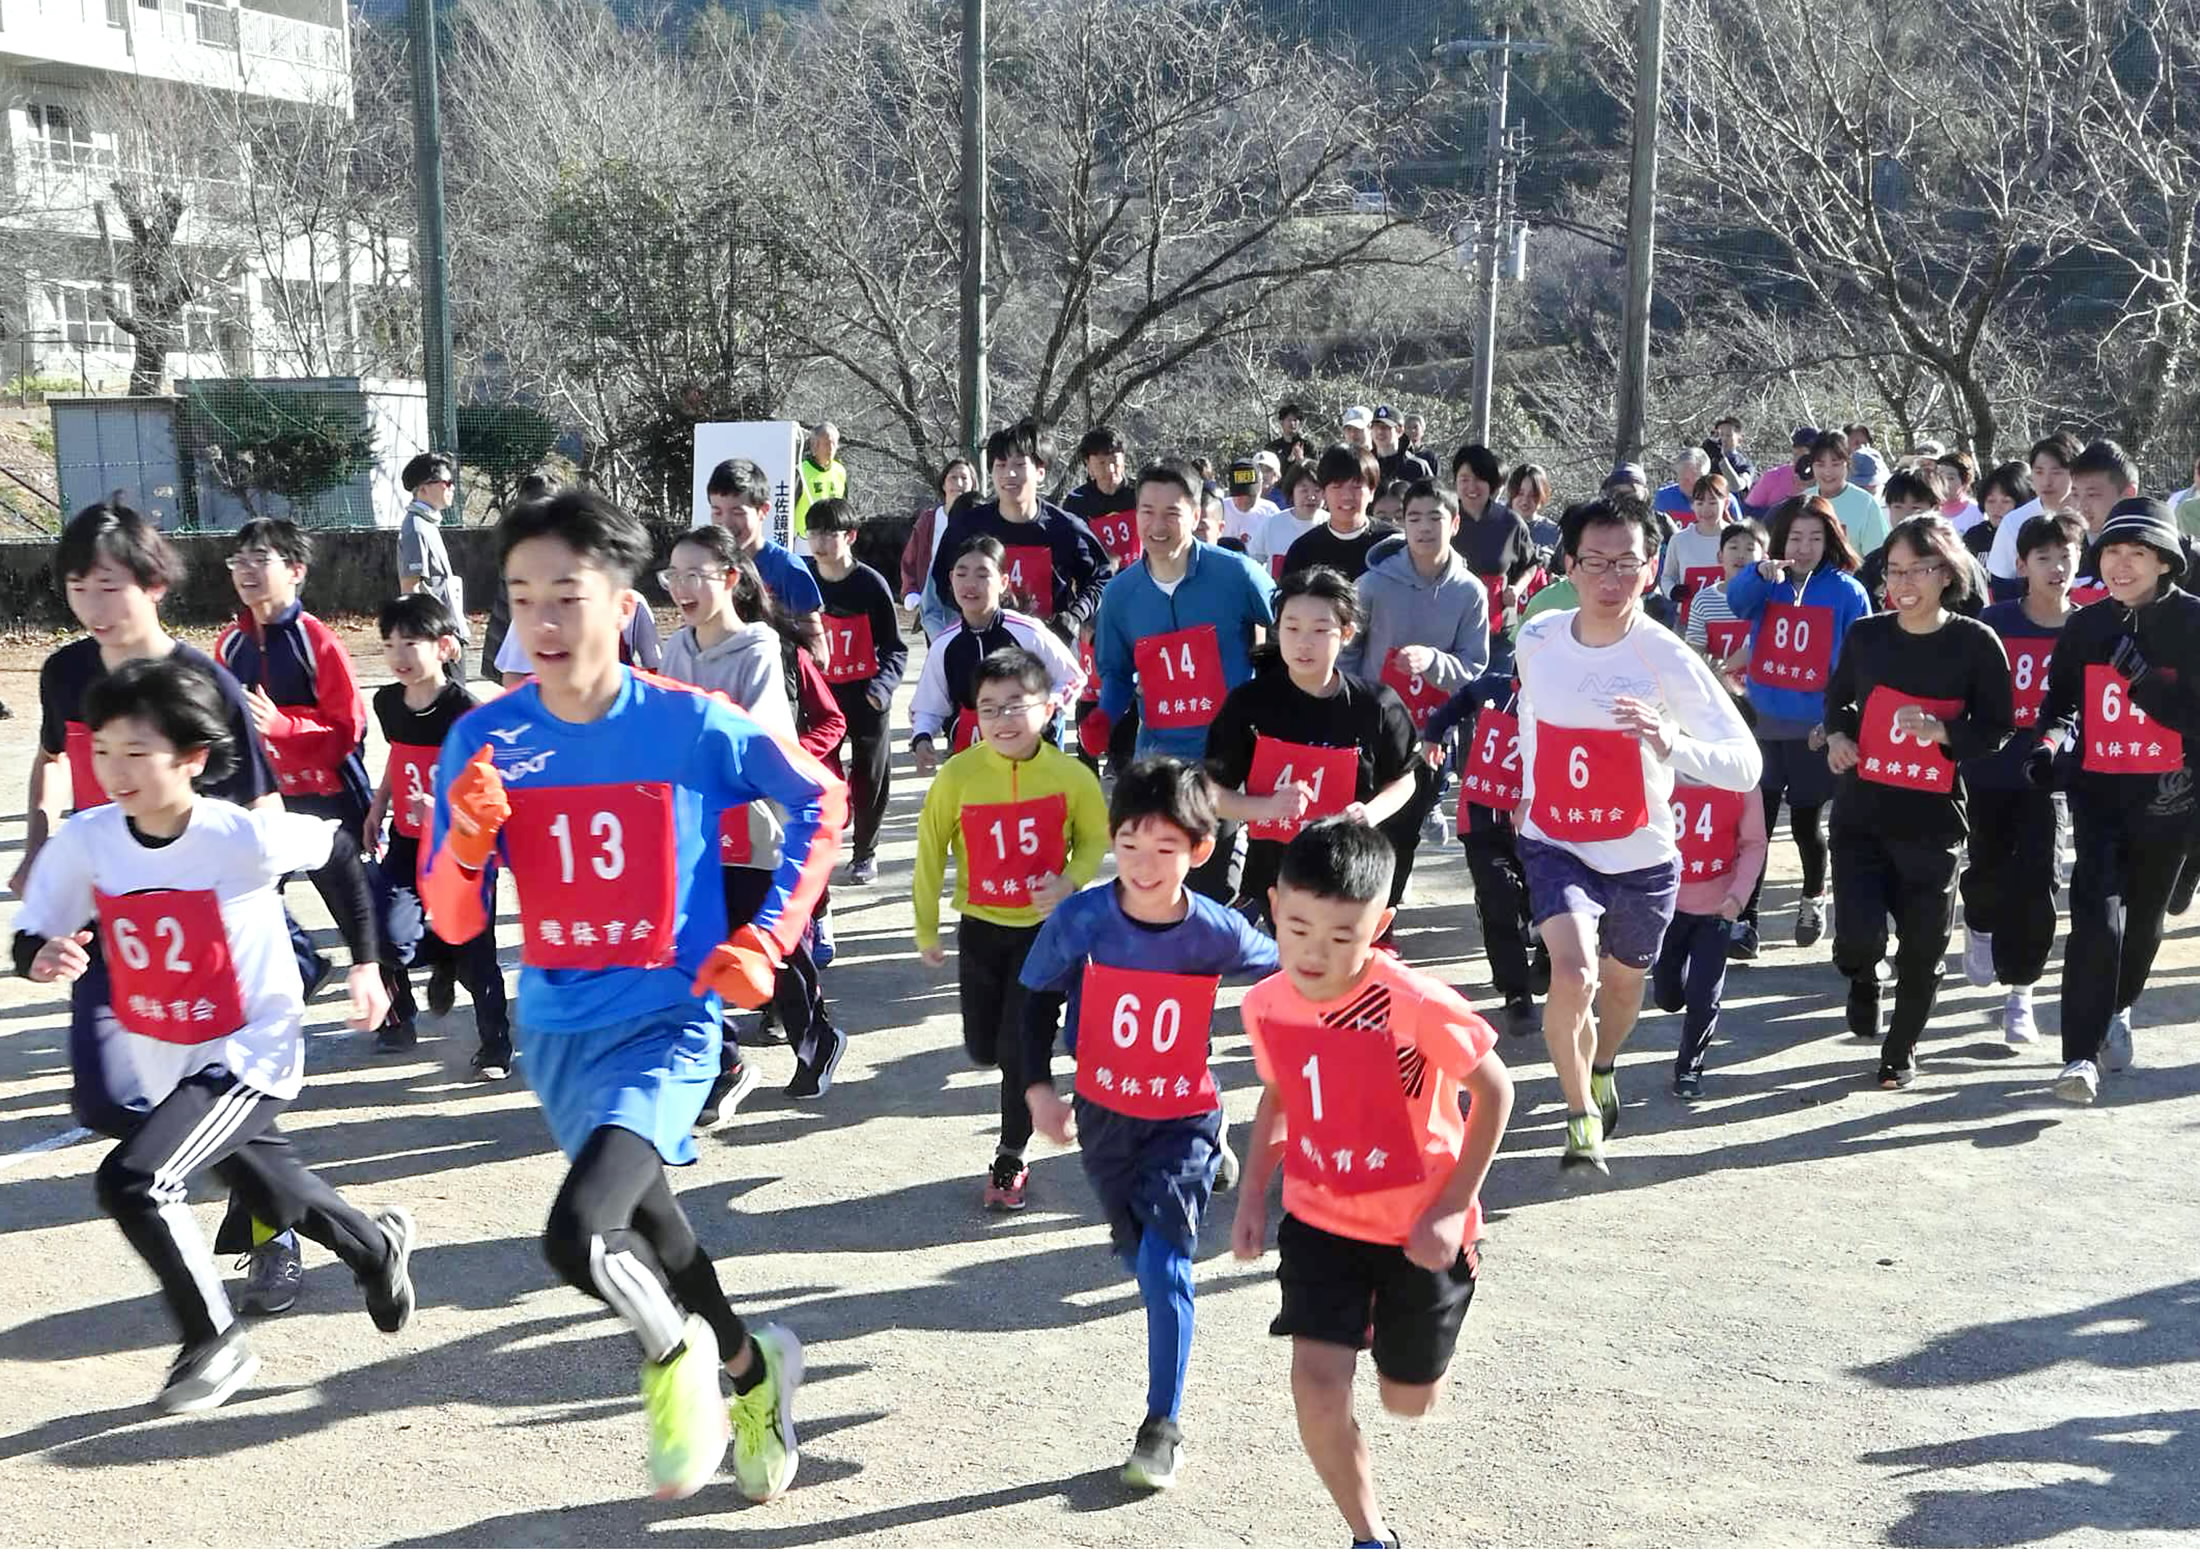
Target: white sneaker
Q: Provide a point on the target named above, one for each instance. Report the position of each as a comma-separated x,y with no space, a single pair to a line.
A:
2080,1083
1978,957
2016,1017
2116,1049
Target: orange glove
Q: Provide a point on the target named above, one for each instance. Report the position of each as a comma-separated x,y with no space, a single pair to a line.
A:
742,968
478,810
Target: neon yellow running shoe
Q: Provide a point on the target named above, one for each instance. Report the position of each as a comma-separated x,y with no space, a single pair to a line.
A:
764,1451
687,1431
1604,1094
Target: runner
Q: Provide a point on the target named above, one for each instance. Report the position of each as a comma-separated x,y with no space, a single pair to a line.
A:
1915,693
602,789
1053,565
1614,711
945,702
1349,479
1496,545
1722,841
1272,540
864,659
1106,499
1862,516
1713,627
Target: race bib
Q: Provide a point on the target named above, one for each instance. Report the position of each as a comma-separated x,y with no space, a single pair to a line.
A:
594,866
851,654
1893,758
1345,1119
1142,1042
1494,584
1180,678
411,774
1707,821
1491,775
1421,697
84,788
2028,660
1090,663
1694,579
1723,638
1588,784
1118,535
2120,739
169,969
1028,571
1330,774
1009,847
2091,593
965,731
1794,647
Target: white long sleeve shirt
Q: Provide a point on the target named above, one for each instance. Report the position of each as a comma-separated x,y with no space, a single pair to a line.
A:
1566,684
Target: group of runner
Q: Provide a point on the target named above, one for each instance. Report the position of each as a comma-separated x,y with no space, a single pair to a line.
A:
1282,675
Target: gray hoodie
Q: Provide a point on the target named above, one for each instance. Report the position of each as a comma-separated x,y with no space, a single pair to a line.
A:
1402,608
746,668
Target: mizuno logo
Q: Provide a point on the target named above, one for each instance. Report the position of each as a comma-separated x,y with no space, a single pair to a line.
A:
507,735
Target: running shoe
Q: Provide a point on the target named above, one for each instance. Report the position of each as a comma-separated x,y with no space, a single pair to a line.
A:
1978,957
1863,1009
1893,1077
1688,1085
1227,1167
2116,1048
390,1291
686,1414
442,988
1604,1090
2016,1017
209,1373
821,941
1743,943
1004,1187
1522,1017
1584,1146
811,1080
1810,922
1156,1456
864,870
2080,1083
727,1091
493,1063
276,1274
395,1035
317,975
765,1452
1377,1546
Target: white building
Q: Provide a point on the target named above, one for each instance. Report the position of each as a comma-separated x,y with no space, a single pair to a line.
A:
95,90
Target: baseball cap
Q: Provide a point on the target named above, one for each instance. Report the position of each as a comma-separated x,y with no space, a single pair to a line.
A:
1244,475
1387,415
1804,436
1358,415
1628,474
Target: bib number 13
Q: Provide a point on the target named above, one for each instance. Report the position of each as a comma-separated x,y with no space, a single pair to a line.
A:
607,861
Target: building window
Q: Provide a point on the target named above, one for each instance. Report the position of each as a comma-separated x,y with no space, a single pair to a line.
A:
60,137
75,313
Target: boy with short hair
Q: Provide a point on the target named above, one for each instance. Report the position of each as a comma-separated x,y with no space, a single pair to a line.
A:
1139,960
1027,826
864,659
1714,629
1105,500
740,496
945,702
1361,1061
1858,508
204,994
601,789
1052,562
1349,477
416,713
2049,460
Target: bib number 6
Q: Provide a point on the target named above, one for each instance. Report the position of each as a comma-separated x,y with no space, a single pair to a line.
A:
1577,767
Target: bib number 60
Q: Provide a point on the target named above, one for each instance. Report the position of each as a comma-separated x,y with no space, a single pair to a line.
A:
1168,1023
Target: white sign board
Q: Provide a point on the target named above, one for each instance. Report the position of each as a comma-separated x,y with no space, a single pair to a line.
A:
776,445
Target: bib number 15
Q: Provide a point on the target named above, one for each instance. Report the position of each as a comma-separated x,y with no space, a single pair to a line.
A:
609,858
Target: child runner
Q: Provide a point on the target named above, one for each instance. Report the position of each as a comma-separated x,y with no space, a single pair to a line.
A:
1495,542
1713,627
1915,693
1107,498
602,790
2048,464
864,659
2008,881
1614,711
1027,826
1302,739
1722,841
1691,559
945,702
1426,632
416,714
1272,541
1349,477
1361,1061
1139,960
2113,731
1796,629
185,890
1052,564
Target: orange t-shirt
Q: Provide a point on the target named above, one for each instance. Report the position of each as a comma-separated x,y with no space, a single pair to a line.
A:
1436,1039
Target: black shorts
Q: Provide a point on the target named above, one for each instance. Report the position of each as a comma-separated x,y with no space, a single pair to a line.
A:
1358,1295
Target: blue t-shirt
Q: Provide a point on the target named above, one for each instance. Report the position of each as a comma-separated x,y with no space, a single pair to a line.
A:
611,817
1221,588
787,578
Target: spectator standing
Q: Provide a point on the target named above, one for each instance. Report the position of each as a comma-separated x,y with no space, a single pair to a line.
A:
423,563
820,476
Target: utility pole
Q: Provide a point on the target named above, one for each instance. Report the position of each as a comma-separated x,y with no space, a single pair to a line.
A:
1642,218
433,258
976,410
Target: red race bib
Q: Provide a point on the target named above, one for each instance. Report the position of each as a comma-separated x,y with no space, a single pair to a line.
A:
1694,579
965,731
1794,647
2120,739
1896,759
2028,660
1180,678
1723,638
1332,774
1493,584
1009,847
1090,663
1028,570
2092,593
735,849
594,866
1491,775
84,788
851,654
1588,784
170,975
1118,535
1142,1042
1421,697
1345,1119
1708,823
411,773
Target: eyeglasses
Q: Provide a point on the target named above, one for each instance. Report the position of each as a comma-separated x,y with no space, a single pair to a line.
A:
668,578
1616,565
253,560
1009,713
1917,573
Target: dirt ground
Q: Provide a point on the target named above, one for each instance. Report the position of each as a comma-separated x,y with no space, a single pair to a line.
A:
1804,1312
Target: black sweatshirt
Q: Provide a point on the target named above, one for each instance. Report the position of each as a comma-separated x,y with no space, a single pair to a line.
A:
2167,635
864,592
1962,662
1322,545
1081,564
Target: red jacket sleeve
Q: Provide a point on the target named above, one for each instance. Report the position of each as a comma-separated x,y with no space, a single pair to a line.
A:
333,727
824,726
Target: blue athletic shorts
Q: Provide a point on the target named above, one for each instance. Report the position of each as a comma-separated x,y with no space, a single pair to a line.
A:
1631,910
1150,1174
649,1075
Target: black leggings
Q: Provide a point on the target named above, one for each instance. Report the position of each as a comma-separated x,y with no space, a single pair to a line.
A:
870,767
1807,825
1914,882
616,1233
989,963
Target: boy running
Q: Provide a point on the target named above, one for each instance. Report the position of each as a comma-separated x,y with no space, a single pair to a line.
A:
1361,1061
601,789
945,700
864,659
